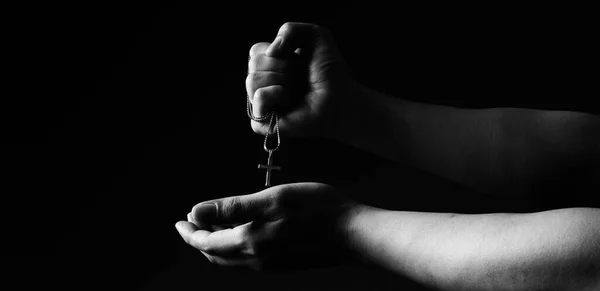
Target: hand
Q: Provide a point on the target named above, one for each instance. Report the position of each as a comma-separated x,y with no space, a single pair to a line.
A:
301,75
284,227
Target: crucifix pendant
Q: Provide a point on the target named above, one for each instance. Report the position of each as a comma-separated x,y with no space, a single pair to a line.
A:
269,167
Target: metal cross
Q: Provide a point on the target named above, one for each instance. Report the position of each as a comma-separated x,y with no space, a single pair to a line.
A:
269,167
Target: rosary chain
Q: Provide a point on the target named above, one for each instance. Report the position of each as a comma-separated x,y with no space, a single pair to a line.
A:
273,124
251,115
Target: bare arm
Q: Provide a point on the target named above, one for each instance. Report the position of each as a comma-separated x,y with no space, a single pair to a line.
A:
499,150
551,250
496,150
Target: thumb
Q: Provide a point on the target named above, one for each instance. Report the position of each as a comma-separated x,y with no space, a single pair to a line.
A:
297,35
236,209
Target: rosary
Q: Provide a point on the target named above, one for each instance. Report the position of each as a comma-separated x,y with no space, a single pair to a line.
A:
273,125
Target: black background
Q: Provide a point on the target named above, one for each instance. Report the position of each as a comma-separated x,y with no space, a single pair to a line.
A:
118,117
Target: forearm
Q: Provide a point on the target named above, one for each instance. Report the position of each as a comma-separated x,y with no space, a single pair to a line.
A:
499,150
552,250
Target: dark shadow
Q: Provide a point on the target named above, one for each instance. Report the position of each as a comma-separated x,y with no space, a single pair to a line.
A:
130,114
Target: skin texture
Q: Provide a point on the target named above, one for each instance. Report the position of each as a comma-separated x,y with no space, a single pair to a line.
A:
551,250
296,226
497,151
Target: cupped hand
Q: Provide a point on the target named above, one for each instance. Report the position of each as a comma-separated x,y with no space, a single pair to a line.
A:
302,76
284,227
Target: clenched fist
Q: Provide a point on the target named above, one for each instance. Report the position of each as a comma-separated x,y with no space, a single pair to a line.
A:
302,76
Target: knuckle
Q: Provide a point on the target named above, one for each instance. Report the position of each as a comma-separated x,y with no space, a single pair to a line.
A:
253,63
254,49
263,79
251,84
254,78
247,81
250,78
257,127
258,48
232,206
286,27
261,62
260,95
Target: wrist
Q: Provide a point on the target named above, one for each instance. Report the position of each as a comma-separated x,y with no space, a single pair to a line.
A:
374,122
348,225
351,107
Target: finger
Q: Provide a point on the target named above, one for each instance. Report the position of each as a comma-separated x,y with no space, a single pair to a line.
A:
226,242
237,209
190,219
188,231
246,240
265,101
258,48
261,62
266,98
256,80
289,122
211,228
294,35
199,224
249,239
221,242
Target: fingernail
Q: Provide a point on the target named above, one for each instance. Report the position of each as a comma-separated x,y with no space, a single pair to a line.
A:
274,45
204,211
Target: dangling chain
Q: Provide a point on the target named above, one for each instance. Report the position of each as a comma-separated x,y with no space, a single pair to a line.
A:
272,125
260,119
